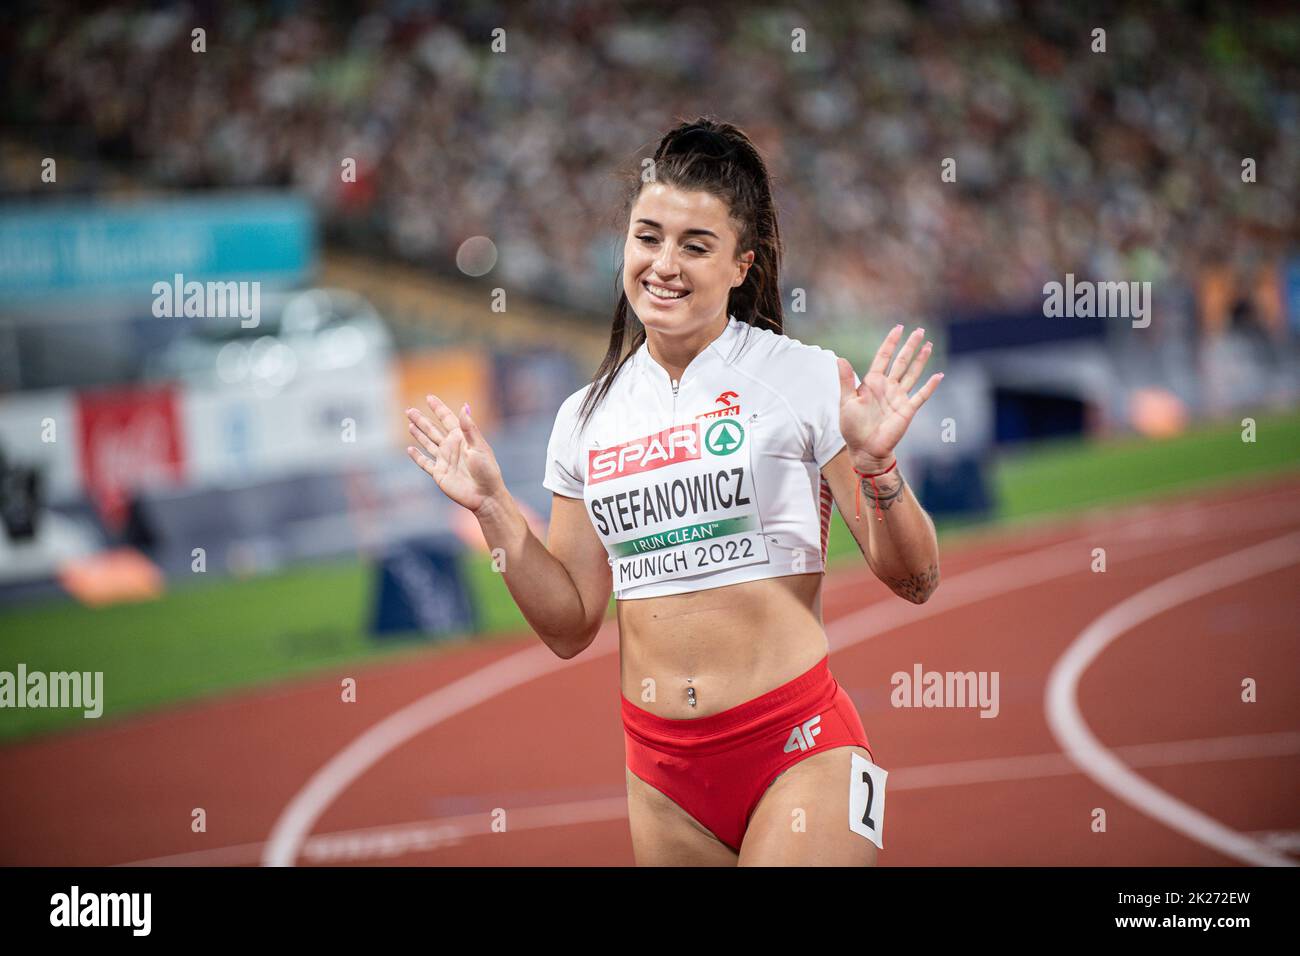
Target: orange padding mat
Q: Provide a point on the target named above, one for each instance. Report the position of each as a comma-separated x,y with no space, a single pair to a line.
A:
122,574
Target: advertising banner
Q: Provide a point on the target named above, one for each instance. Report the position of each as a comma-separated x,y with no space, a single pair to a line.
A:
39,430
58,250
128,438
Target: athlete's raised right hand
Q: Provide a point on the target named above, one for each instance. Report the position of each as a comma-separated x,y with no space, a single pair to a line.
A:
459,458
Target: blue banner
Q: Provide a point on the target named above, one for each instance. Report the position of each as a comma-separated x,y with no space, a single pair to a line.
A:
64,249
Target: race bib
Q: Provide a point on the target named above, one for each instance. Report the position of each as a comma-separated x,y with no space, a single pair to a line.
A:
867,799
677,503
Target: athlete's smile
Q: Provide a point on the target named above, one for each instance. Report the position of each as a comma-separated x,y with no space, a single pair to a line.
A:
664,294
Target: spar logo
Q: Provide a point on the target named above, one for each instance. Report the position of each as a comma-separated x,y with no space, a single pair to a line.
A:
671,446
724,437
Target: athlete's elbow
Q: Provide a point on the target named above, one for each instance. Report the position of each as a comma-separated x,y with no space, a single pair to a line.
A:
569,646
565,650
921,597
916,588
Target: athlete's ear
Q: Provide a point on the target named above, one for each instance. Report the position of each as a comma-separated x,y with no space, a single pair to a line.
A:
744,262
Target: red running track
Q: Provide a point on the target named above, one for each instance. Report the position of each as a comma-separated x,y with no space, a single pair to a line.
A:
413,771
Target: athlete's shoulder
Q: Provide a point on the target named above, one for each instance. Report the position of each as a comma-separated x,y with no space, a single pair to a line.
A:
567,415
575,398
570,407
805,348
787,352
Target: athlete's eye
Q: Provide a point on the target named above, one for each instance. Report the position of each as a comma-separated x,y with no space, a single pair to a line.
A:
698,250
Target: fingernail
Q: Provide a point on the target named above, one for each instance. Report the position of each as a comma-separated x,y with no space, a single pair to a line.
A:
922,331
467,408
897,327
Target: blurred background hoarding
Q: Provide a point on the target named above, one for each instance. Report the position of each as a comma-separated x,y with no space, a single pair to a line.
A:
385,182
937,166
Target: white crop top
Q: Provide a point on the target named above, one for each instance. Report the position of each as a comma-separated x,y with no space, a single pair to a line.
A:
713,480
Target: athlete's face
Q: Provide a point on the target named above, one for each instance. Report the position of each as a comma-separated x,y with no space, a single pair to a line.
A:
683,241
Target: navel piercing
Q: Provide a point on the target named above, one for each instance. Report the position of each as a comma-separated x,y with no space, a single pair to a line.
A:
690,694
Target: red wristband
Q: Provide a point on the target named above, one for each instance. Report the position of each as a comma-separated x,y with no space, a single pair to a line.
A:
857,491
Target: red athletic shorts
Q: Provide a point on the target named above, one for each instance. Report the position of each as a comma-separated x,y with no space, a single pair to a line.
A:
717,768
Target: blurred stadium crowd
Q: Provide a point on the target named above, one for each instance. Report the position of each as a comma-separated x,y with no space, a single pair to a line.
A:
1122,165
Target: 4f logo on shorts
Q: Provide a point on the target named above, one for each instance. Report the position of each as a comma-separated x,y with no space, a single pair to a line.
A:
801,738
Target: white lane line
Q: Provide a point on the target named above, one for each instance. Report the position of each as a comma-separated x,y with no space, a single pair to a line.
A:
1035,766
390,840
1197,522
1003,577
1093,758
239,854
1284,841
302,812
294,824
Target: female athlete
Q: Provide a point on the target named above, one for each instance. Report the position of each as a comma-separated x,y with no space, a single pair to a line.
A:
693,479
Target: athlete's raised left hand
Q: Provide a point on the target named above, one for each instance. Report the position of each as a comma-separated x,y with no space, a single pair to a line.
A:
875,415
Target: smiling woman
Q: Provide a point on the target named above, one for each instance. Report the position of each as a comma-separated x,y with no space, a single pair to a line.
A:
694,477
702,241
671,266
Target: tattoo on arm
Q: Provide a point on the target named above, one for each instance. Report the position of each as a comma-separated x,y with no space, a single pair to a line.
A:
918,587
887,498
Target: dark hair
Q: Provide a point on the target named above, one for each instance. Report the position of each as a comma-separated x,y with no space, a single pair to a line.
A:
719,159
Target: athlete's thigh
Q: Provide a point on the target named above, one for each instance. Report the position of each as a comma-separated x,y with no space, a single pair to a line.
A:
803,818
663,834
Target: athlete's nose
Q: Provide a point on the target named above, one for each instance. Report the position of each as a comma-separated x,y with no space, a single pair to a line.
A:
664,267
